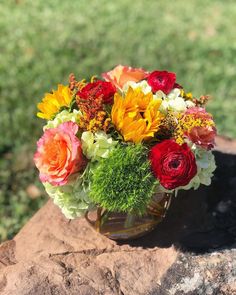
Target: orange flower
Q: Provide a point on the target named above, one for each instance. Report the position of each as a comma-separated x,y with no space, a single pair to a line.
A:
59,154
122,74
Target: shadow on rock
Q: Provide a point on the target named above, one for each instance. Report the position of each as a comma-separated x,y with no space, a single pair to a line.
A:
203,220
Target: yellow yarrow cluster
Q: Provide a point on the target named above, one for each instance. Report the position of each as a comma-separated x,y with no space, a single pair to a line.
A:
53,102
99,122
186,95
79,85
136,115
186,123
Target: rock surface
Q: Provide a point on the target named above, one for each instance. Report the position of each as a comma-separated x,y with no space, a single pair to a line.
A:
193,251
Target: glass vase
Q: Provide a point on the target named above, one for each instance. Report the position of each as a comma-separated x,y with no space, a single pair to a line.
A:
123,226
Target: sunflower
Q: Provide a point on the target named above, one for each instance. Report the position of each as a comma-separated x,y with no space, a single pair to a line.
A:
136,115
53,102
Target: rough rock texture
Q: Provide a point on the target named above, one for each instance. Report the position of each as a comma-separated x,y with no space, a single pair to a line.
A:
52,255
193,251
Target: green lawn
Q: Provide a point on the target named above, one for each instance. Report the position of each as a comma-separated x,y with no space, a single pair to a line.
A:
41,42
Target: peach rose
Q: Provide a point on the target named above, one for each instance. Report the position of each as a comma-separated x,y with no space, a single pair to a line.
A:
203,136
122,74
59,154
199,112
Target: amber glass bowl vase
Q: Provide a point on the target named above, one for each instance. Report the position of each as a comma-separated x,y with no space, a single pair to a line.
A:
122,226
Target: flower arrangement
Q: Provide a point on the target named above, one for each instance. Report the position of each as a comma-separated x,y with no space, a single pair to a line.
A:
115,142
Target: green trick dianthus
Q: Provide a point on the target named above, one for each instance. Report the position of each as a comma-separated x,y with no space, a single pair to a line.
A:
123,182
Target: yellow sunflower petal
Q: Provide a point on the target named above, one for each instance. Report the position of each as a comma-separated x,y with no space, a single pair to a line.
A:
136,115
53,102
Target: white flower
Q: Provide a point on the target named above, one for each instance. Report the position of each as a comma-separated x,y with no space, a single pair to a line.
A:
164,106
190,104
72,198
160,94
173,101
177,105
175,93
62,117
143,86
206,165
97,145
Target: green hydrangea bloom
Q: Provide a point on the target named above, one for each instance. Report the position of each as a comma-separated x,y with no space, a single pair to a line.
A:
97,145
72,198
206,166
62,117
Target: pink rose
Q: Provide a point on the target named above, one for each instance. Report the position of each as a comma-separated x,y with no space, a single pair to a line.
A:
59,154
122,74
199,113
203,136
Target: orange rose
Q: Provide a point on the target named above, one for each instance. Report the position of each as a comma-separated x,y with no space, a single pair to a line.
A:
59,154
122,74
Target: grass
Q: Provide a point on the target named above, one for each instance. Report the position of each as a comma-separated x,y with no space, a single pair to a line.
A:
41,42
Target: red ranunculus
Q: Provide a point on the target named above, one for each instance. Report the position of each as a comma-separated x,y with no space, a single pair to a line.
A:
177,85
174,165
98,89
161,80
